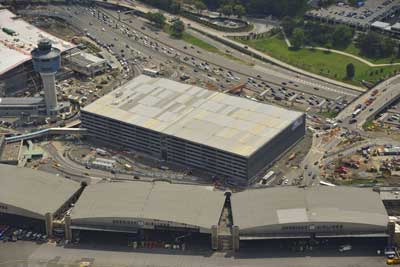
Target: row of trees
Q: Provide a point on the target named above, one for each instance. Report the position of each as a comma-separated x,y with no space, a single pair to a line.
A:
316,34
173,6
158,19
375,45
278,8
239,7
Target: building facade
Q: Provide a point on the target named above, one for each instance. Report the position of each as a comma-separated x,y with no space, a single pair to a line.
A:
183,124
184,152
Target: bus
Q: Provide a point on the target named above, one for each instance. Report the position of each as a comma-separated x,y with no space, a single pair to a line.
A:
356,112
267,177
151,72
326,183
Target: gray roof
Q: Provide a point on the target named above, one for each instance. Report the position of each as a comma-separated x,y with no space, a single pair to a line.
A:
253,208
389,193
218,120
36,191
85,59
21,101
193,205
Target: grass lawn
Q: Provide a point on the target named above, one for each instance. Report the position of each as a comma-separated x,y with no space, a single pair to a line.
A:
329,114
320,62
190,39
362,181
198,42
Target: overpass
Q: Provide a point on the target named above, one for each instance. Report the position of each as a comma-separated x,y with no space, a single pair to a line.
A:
387,93
46,132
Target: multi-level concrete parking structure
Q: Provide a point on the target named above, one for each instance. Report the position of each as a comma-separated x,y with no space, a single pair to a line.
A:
181,123
47,61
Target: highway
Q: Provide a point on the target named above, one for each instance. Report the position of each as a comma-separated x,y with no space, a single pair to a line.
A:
260,71
221,36
269,72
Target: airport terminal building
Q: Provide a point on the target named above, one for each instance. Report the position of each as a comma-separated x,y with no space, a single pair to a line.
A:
33,199
194,127
318,212
163,212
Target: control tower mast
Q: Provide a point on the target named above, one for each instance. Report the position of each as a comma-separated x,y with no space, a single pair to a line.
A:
47,61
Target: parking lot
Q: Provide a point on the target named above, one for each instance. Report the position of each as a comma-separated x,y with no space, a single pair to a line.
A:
391,118
360,17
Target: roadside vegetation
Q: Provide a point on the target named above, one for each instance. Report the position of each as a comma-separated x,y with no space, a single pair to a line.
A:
238,7
192,40
324,63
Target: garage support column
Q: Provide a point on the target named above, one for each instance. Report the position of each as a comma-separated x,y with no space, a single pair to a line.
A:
235,238
214,237
68,231
49,224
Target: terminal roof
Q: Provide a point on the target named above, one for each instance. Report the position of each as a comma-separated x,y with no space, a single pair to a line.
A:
193,205
35,191
260,207
15,50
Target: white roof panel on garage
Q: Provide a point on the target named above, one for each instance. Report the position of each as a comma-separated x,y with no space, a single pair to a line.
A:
195,114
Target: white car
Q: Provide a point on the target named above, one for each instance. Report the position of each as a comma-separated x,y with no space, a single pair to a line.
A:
344,248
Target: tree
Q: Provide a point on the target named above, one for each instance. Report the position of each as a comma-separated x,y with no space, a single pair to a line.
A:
288,24
200,6
227,10
342,36
239,10
350,71
374,45
175,7
177,28
388,46
298,38
157,18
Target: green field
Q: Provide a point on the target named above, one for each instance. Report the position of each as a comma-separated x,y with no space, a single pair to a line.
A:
198,42
323,63
192,40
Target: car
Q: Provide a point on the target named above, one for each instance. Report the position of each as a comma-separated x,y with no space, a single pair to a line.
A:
309,173
344,248
316,163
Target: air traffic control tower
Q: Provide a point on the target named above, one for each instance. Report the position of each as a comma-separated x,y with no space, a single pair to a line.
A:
47,61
